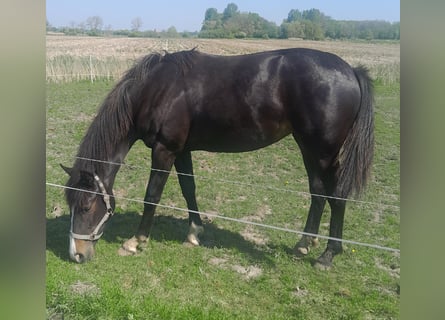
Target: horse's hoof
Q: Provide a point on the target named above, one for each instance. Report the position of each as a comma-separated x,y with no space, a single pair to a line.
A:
131,245
324,262
123,252
194,232
142,239
193,240
301,251
321,266
302,247
315,242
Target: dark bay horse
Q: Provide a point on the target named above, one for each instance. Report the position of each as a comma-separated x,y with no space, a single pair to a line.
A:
180,102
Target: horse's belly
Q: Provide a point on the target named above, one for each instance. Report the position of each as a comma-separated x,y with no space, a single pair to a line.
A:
239,139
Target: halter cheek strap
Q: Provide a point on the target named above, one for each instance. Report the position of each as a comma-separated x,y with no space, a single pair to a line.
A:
95,235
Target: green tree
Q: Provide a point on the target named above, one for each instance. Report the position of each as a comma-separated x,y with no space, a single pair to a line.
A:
212,21
230,11
312,31
396,30
292,30
172,32
211,14
310,24
294,15
314,15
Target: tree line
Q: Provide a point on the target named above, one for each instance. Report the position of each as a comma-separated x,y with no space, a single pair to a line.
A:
231,23
94,26
308,24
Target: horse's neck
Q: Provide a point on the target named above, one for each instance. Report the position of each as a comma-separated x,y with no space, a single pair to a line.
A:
113,163
105,167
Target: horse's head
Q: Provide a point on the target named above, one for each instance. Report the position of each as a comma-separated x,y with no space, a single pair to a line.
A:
90,208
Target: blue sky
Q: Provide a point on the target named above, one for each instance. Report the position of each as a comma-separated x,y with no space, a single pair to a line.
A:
188,15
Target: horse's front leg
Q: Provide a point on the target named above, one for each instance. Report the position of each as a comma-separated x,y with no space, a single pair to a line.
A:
184,167
162,162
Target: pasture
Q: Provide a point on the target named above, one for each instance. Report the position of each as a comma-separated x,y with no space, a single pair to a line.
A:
241,271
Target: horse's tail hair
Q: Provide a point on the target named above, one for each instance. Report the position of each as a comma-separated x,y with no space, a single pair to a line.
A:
356,155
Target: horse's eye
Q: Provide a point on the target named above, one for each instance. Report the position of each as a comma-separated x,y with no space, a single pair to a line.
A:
85,209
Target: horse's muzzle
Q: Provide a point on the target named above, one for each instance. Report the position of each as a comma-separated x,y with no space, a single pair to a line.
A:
81,250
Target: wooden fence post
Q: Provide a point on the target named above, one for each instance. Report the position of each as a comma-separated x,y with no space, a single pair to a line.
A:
91,70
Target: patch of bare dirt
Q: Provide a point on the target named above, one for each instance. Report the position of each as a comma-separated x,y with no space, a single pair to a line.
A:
84,288
247,273
300,292
215,261
250,234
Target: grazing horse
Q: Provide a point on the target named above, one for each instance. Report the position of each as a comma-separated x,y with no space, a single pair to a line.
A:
185,101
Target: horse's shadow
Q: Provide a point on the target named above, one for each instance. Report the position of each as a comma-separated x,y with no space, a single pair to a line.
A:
166,228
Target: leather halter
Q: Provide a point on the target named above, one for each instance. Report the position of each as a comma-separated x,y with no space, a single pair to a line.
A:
95,235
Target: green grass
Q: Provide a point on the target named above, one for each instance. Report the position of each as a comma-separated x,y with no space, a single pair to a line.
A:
171,281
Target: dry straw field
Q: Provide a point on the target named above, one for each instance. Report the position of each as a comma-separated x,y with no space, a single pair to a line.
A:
91,58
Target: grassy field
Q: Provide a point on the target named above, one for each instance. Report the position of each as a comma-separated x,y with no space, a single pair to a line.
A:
241,271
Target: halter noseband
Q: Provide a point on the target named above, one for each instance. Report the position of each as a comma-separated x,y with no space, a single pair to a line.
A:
95,235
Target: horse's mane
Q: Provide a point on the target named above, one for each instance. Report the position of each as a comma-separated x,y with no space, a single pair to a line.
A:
184,60
114,118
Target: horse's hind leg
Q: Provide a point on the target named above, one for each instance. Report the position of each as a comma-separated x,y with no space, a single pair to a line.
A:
323,184
312,226
317,188
184,167
334,247
338,206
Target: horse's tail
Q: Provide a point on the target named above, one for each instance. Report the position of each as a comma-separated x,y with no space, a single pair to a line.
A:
355,156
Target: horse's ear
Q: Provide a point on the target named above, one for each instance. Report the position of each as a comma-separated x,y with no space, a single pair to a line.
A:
67,170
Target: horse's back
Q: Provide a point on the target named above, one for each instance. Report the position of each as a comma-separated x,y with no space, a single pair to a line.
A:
246,102
277,92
